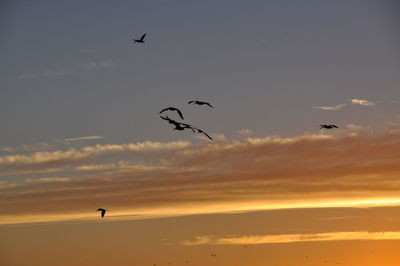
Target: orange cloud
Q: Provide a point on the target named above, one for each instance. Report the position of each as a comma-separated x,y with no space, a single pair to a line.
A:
348,168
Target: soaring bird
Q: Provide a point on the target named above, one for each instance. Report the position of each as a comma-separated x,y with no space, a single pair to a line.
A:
172,109
200,103
328,126
103,211
141,40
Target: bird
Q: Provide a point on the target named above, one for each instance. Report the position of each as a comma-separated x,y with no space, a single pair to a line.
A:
328,126
141,40
172,109
202,132
103,211
200,103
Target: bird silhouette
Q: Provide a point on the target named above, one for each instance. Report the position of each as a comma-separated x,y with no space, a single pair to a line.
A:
141,40
328,126
200,103
172,109
103,211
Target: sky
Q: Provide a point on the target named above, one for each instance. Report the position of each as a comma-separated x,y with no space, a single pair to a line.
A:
79,109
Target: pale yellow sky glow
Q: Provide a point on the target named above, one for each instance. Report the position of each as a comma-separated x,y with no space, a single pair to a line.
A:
292,238
193,209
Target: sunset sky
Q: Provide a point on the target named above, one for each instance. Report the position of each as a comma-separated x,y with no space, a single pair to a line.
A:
79,105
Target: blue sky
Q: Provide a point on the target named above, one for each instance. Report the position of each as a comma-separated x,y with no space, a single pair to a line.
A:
264,65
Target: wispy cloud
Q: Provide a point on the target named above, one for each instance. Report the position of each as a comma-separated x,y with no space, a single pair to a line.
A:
55,73
99,64
48,180
331,108
350,168
28,147
292,238
84,138
199,240
362,102
88,152
245,132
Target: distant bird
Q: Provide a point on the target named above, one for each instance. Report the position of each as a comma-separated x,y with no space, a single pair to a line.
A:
103,211
141,40
202,132
328,126
200,103
172,109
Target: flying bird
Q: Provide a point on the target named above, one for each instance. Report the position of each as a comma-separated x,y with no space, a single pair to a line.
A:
172,109
200,103
328,126
103,211
141,40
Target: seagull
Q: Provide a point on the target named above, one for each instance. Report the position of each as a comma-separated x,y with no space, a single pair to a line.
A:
172,109
328,126
202,132
103,211
200,103
141,40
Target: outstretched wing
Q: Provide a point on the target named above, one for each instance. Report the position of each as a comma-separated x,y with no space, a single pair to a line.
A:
102,213
163,110
201,131
209,105
142,38
190,102
180,113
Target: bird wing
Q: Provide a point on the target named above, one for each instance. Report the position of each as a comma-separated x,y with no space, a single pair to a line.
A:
102,213
142,38
201,131
191,102
179,113
209,105
163,110
164,118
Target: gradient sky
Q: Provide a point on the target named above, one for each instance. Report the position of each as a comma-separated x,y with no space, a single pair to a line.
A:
80,130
